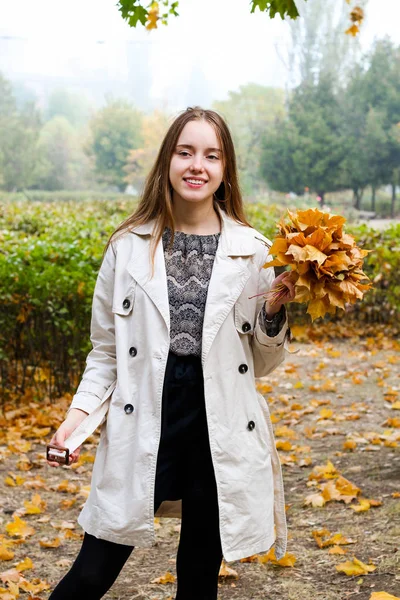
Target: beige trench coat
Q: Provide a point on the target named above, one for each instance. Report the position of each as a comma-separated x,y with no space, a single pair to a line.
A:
130,336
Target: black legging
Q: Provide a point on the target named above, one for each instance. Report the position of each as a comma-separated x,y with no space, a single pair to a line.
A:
184,470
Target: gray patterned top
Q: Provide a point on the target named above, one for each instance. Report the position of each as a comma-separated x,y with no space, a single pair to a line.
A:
188,265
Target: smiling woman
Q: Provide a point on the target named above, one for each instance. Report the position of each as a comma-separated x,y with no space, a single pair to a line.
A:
178,338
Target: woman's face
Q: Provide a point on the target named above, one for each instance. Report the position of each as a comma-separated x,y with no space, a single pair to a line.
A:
196,167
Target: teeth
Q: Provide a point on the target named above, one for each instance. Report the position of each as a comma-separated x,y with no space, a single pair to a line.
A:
194,181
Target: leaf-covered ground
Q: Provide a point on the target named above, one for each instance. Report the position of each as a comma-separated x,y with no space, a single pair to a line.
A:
335,407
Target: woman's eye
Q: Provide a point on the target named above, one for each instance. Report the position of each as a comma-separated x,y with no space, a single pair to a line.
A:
183,152
212,156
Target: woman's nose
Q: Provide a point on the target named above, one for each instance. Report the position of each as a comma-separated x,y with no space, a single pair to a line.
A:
196,165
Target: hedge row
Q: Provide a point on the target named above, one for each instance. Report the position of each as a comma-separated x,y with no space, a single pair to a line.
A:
49,257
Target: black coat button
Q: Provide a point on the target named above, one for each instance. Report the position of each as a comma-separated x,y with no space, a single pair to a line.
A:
246,327
132,351
243,368
251,425
128,408
126,303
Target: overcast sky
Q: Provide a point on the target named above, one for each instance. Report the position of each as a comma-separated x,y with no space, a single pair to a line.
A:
219,39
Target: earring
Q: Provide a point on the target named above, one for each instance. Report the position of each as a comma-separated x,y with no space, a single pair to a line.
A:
224,199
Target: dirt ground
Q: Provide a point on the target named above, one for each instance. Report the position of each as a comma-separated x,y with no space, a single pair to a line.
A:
325,395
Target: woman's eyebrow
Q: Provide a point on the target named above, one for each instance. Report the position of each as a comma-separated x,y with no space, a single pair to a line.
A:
192,148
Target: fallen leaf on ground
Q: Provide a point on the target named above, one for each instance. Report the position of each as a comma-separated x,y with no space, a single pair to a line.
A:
20,528
25,564
167,578
337,550
383,596
355,567
330,540
288,560
227,572
46,543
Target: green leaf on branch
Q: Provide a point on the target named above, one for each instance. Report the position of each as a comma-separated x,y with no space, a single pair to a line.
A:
273,7
133,12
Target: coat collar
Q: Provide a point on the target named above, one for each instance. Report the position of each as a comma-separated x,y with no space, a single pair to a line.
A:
236,239
229,275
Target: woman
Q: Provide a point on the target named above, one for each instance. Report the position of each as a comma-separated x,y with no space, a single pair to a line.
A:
178,336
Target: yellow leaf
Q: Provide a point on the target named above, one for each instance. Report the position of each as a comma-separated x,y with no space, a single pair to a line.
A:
66,504
355,567
5,554
327,471
283,445
167,578
35,506
6,594
350,445
337,550
317,308
71,535
67,486
152,16
286,432
34,587
25,564
20,528
46,543
347,489
288,560
362,506
19,446
326,413
227,572
383,596
252,558
337,540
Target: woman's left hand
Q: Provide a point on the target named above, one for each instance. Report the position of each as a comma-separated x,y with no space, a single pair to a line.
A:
284,297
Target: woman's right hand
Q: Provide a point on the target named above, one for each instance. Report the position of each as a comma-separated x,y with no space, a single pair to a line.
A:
74,418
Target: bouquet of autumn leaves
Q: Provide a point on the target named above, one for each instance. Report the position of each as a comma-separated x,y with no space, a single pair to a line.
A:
326,264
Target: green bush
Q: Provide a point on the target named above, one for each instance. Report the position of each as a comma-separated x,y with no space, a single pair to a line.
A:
49,259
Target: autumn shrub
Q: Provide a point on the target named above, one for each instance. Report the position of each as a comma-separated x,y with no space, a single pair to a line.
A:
49,258
50,253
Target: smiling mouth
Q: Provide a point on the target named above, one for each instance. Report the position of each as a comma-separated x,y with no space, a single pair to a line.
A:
195,182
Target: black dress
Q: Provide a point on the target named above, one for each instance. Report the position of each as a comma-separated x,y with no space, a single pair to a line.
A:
184,465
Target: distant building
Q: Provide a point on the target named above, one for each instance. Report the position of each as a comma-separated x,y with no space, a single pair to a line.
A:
100,69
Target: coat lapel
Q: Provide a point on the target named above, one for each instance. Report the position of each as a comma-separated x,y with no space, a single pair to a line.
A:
229,275
139,267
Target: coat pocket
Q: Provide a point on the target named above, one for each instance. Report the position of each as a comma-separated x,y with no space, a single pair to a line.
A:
124,300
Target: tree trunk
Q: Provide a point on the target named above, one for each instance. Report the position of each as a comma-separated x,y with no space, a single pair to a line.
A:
392,210
357,199
360,196
322,196
373,199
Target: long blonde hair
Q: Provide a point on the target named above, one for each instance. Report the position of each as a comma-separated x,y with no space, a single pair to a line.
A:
156,199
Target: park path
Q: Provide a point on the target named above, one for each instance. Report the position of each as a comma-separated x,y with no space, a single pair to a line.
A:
335,408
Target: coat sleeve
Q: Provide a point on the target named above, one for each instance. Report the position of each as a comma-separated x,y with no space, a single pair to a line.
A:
268,352
101,365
